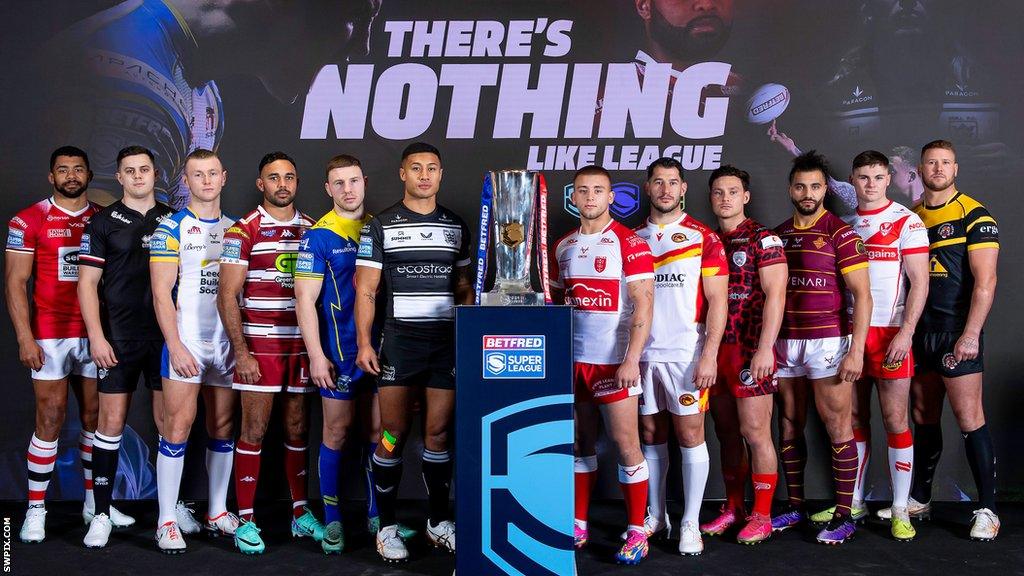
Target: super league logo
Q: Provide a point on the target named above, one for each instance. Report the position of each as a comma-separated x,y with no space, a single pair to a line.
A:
520,522
627,200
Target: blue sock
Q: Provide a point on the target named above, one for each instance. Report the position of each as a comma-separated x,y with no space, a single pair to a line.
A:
329,463
371,493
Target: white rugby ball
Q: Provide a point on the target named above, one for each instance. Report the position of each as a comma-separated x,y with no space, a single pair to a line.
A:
767,103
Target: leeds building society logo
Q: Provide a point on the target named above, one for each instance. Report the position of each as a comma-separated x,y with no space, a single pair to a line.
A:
627,200
513,357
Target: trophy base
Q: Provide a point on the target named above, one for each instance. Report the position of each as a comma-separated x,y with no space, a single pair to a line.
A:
512,299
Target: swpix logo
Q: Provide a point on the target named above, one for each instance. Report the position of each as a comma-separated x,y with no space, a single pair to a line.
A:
513,357
627,200
520,524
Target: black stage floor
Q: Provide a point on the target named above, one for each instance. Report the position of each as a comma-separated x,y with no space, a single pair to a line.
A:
941,548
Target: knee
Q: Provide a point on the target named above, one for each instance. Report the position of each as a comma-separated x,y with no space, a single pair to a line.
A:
176,430
626,443
895,423
436,438
335,435
691,437
650,434
791,425
50,416
110,424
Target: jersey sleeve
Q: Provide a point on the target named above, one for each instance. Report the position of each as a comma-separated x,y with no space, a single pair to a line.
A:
981,229
164,246
92,249
914,239
850,251
237,245
312,262
554,271
637,260
712,259
463,258
21,234
371,245
768,249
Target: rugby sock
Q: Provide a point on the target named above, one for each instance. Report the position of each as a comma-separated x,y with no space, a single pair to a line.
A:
844,474
371,493
633,481
862,440
735,481
387,474
295,470
104,463
218,470
437,477
584,478
327,470
42,456
696,465
794,460
247,474
927,450
85,452
982,458
901,454
170,462
657,461
764,491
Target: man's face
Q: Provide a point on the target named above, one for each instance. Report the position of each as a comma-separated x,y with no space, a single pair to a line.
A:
421,173
592,194
137,176
70,176
346,187
728,197
897,18
665,188
205,178
904,175
807,191
870,182
689,29
278,182
938,169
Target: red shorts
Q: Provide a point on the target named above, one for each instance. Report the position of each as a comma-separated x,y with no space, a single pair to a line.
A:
278,373
596,383
734,373
877,344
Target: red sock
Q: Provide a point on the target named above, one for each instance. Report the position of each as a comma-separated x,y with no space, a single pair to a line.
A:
735,482
295,470
764,491
584,479
247,473
633,481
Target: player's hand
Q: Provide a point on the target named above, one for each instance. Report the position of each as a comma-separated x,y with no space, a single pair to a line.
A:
102,353
899,347
966,348
762,364
30,354
707,372
627,375
182,361
321,371
367,360
247,368
851,367
781,139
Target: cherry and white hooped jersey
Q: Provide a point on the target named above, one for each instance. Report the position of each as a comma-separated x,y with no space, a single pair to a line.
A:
684,252
594,269
889,233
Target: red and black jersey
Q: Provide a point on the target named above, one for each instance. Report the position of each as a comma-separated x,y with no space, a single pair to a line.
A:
748,248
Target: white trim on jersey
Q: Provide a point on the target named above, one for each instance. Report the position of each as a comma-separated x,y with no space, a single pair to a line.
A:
269,331
269,303
423,306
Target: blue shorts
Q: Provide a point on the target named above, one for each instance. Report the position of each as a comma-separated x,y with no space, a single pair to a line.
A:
349,381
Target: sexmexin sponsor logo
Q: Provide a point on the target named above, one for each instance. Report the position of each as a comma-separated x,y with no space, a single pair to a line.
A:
513,357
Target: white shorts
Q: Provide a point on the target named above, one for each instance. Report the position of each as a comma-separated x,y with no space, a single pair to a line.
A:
669,386
65,356
814,358
216,362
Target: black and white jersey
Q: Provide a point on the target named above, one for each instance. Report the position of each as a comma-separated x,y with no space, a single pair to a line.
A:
116,240
417,255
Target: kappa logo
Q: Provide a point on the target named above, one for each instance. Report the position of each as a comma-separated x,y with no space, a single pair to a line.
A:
286,233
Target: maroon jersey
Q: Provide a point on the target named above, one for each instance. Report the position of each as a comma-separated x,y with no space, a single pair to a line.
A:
818,256
748,248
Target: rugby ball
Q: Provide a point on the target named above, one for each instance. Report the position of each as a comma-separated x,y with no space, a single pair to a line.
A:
767,103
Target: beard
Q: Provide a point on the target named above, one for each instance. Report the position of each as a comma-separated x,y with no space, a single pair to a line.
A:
934,187
667,209
281,202
683,42
805,211
63,190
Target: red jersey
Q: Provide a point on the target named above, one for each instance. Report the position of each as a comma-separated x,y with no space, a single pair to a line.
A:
270,249
818,256
748,248
52,235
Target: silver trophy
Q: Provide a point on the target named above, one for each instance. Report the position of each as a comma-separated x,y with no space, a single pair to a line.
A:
515,195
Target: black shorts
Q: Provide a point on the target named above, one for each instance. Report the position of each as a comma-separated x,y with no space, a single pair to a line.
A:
417,360
134,359
933,351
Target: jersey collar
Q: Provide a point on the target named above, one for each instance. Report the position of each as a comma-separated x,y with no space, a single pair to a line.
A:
873,212
297,219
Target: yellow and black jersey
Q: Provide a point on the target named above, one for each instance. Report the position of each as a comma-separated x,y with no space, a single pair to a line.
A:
954,229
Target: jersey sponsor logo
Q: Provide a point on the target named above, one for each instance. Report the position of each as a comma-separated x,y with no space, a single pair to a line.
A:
861,249
232,249
287,234
365,247
304,263
193,247
803,282
892,366
670,280
949,361
600,263
56,217
346,248
171,223
945,230
15,238
84,244
635,241
118,216
772,241
606,240
387,373
513,357
636,256
426,235
739,258
424,270
158,242
936,269
989,229
195,230
67,263
285,263
265,233
883,254
659,235
679,238
604,387
595,295
145,240
687,399
19,221
58,233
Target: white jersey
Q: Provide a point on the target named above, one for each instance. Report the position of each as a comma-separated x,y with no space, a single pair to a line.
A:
684,252
195,246
594,269
889,234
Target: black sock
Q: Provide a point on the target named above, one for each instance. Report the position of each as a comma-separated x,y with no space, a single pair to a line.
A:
104,469
927,450
437,475
982,458
387,474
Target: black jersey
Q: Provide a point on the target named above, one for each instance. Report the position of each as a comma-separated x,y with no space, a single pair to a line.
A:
954,229
417,255
116,240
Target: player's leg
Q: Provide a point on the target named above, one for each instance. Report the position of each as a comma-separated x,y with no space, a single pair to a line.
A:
734,459
51,399
587,417
338,418
622,426
861,419
696,465
295,413
928,395
219,402
87,398
832,398
965,398
655,425
792,404
180,401
755,425
893,399
256,410
395,401
437,463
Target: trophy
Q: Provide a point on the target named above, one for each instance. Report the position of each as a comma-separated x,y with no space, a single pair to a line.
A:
514,212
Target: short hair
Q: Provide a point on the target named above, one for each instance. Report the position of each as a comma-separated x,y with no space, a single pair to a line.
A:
592,170
341,161
72,151
134,151
870,158
943,144
274,157
809,161
729,170
420,148
665,162
904,153
200,154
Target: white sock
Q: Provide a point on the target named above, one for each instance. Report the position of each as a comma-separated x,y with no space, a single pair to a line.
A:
220,455
863,459
901,461
85,440
170,462
696,466
657,461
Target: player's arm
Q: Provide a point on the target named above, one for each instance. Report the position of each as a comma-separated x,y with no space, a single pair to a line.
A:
307,292
232,280
89,301
773,283
17,271
367,280
641,294
916,267
844,191
716,290
163,275
859,284
983,267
